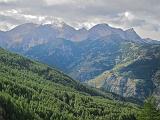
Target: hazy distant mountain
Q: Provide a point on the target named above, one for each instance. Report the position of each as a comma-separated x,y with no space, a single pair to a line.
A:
29,35
101,30
148,40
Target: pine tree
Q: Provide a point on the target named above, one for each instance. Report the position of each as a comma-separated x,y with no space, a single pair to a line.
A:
150,111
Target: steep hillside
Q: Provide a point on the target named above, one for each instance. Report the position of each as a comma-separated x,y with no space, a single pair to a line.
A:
101,55
84,60
30,90
26,65
60,53
156,91
134,77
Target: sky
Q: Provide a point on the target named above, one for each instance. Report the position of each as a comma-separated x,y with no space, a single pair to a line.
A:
142,15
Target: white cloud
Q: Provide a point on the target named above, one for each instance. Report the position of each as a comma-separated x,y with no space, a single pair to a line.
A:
30,17
7,1
56,2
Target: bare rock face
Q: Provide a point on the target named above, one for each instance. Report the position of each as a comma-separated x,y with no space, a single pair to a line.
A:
156,92
138,78
118,84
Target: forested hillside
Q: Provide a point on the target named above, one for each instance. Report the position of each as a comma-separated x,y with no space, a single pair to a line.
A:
30,90
137,75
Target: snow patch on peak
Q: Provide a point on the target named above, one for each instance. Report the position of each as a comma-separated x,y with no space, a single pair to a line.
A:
55,23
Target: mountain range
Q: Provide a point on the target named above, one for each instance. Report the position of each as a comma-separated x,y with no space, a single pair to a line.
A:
110,59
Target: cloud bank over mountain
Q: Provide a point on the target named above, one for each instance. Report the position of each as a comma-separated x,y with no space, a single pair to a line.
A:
142,15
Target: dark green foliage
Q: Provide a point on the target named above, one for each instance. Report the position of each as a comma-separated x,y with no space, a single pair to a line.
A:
12,109
150,110
129,117
15,64
33,91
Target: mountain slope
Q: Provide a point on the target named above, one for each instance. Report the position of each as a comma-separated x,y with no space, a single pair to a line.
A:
21,64
132,78
60,53
85,54
81,60
30,90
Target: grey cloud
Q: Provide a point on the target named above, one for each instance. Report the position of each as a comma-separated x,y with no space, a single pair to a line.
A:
11,20
76,12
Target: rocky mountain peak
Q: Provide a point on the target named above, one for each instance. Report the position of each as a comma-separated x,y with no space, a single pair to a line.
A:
131,34
102,26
